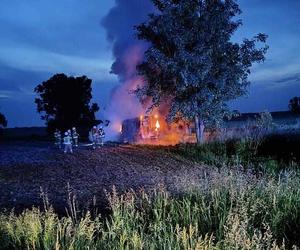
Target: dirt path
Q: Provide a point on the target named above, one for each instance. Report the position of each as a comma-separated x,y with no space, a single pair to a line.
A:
25,168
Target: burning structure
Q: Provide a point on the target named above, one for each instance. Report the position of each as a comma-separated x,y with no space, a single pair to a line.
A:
154,129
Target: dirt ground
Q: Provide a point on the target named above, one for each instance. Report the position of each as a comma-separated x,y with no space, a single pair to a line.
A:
26,168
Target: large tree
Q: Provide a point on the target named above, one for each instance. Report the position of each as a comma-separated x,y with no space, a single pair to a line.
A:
192,62
64,102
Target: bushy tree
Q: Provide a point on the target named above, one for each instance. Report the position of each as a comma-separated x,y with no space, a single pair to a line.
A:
64,102
294,105
3,121
192,62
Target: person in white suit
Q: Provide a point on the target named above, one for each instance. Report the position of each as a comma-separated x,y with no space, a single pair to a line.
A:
68,143
93,136
101,136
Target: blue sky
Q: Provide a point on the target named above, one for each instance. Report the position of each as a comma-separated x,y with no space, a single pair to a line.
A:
278,79
40,38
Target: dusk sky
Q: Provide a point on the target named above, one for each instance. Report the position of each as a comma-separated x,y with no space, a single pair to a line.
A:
40,38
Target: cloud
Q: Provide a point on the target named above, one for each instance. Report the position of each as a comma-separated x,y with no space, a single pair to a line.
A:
40,60
15,95
289,79
5,94
275,71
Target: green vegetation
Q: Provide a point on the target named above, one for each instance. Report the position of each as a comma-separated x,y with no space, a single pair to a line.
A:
237,211
244,153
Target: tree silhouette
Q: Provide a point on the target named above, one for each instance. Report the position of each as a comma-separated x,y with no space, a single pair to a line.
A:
294,105
64,102
3,121
192,62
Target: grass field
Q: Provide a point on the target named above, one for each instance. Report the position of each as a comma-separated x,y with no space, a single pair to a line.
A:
238,211
216,196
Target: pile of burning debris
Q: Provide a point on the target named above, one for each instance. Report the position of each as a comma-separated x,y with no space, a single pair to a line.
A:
154,129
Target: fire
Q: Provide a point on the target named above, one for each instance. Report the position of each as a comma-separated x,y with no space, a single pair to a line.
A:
121,128
157,125
155,130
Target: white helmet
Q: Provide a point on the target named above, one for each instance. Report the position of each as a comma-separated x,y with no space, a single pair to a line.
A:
66,133
94,127
74,128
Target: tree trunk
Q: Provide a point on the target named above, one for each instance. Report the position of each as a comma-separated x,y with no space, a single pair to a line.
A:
199,130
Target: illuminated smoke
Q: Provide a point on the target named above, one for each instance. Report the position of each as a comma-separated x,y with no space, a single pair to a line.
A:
128,52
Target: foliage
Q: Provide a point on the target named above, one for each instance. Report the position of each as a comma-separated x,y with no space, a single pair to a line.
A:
250,137
258,130
237,211
294,105
3,120
65,102
212,154
265,122
192,63
242,153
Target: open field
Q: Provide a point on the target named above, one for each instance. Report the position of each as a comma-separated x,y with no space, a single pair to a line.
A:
27,167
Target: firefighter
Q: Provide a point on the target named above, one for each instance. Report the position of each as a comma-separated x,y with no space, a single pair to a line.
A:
101,136
68,143
91,135
75,137
94,136
57,136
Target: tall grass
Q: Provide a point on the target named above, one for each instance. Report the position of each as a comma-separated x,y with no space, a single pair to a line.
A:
237,153
237,211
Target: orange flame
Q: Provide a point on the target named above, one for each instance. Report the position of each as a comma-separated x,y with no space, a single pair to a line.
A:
157,125
154,130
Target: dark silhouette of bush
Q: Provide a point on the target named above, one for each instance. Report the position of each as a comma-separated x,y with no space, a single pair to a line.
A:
3,121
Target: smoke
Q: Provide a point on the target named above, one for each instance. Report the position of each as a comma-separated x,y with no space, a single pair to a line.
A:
128,53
